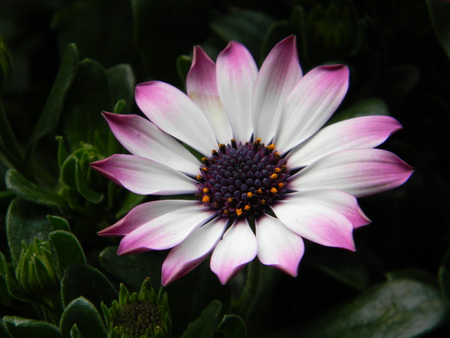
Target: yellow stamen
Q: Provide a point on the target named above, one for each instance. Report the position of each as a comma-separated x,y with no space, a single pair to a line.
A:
280,185
263,201
271,147
204,169
259,191
273,190
205,190
239,212
277,170
199,177
249,194
205,199
273,176
229,199
247,207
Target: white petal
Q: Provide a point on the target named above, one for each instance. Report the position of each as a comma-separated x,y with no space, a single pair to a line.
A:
236,75
278,246
237,248
341,202
359,172
278,75
144,176
176,114
316,223
192,251
201,86
360,132
310,104
167,230
142,138
144,213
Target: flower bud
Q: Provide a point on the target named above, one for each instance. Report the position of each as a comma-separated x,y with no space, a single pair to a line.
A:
35,271
138,315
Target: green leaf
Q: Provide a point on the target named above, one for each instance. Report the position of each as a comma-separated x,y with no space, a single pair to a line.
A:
132,269
5,297
20,327
67,251
232,326
82,172
84,315
62,151
206,324
343,266
102,29
130,201
24,222
58,223
75,332
88,96
364,107
121,84
183,66
53,107
444,275
439,13
248,27
83,280
397,308
159,47
29,191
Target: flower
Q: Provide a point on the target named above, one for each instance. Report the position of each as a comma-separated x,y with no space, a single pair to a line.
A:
270,175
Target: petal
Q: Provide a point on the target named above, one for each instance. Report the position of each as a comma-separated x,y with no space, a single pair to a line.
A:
236,75
360,132
278,246
316,223
172,111
167,230
310,104
144,176
201,86
144,213
279,73
341,202
192,251
359,172
142,138
234,250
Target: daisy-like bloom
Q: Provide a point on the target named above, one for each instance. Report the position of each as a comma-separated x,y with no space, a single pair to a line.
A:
270,175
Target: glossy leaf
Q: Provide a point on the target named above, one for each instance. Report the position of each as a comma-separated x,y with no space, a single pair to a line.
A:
84,315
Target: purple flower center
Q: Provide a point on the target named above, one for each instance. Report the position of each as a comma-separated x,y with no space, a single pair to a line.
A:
242,180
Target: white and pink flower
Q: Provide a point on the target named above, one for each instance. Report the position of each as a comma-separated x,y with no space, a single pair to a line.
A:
271,175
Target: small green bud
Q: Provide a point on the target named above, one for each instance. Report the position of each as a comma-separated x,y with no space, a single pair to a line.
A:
5,64
35,271
143,315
